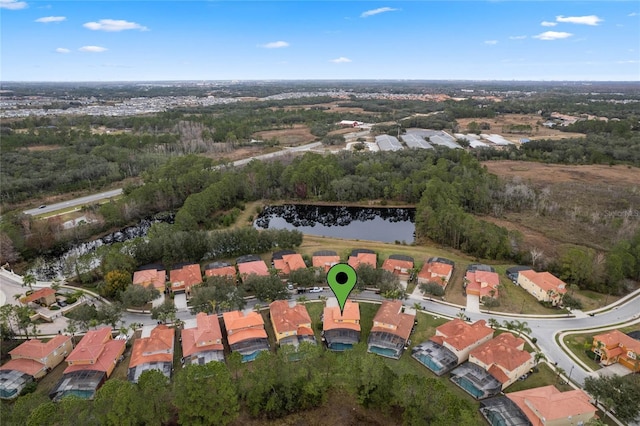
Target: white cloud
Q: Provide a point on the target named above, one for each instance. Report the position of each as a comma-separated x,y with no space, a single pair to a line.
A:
48,19
12,4
548,24
633,14
517,37
114,25
552,35
582,20
275,45
340,60
377,11
62,50
96,49
491,42
632,61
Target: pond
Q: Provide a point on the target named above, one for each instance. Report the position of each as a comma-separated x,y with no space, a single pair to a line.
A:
355,223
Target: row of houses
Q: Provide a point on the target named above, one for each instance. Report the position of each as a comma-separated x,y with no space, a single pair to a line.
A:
484,366
95,357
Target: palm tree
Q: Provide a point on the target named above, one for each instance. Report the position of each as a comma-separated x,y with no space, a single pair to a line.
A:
28,280
493,323
417,306
509,325
18,297
521,327
257,307
461,315
538,356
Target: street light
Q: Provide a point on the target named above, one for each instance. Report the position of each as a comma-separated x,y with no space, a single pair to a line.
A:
570,371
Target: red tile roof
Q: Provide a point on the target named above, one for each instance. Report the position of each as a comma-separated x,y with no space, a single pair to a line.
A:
91,346
461,335
150,276
35,349
289,262
43,292
158,347
615,338
363,259
257,267
185,277
333,320
206,336
286,318
113,349
545,281
243,327
224,271
504,352
325,262
23,365
551,404
434,270
391,319
396,266
482,282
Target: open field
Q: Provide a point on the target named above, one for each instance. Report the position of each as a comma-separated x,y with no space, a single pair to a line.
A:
500,125
299,134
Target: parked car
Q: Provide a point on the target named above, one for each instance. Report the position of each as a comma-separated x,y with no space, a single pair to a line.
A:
316,290
62,303
42,206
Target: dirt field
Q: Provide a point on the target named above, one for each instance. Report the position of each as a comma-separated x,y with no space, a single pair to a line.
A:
36,148
500,123
299,134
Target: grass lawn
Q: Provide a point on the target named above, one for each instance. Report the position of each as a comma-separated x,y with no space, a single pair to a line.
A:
544,377
577,342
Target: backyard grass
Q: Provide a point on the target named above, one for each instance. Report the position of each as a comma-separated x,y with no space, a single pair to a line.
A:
543,377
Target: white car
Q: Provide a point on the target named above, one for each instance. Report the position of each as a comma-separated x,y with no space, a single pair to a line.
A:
315,290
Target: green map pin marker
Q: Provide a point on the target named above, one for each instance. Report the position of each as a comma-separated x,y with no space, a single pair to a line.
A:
342,279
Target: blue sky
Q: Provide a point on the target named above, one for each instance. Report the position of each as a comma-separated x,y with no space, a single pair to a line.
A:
244,40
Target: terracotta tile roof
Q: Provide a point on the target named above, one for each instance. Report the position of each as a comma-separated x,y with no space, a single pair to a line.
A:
482,282
496,372
243,327
185,277
150,276
363,258
434,270
545,281
396,266
391,319
616,338
333,320
549,403
224,271
90,346
257,267
286,318
502,351
206,336
35,349
304,331
158,347
289,262
112,350
461,335
43,292
23,365
325,262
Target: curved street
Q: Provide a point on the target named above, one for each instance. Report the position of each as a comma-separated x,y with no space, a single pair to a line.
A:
543,329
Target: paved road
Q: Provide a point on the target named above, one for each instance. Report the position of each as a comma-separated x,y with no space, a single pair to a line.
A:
89,199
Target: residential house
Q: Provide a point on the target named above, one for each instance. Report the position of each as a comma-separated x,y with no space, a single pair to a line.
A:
391,329
542,285
363,257
220,269
90,364
155,277
286,261
482,283
152,352
325,259
246,333
436,270
44,296
547,406
514,271
291,323
493,366
185,277
615,346
451,344
251,265
341,331
399,265
202,341
30,361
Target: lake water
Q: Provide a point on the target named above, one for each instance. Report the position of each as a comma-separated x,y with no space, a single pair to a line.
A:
354,223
